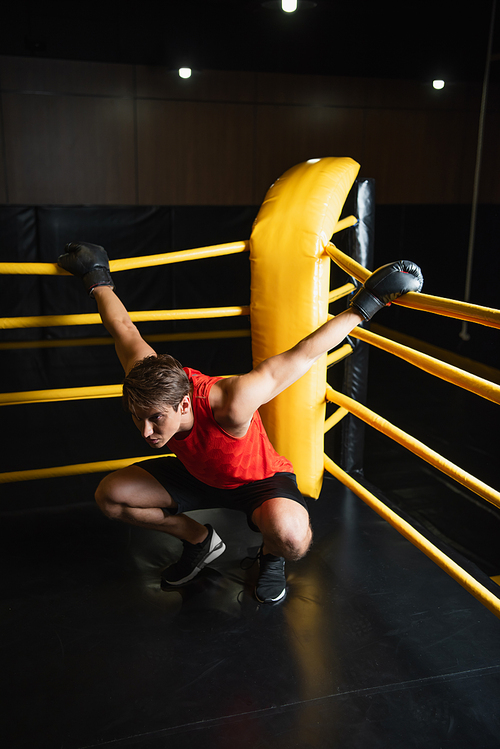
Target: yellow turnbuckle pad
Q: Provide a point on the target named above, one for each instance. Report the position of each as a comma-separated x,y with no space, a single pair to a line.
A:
290,279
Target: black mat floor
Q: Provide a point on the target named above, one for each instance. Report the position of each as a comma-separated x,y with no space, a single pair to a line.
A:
374,646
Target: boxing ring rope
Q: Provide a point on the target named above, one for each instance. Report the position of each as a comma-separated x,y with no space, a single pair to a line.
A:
414,445
166,258
467,381
107,341
424,302
430,364
47,321
100,466
148,261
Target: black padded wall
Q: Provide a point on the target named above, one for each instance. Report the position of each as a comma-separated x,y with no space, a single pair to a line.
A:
436,237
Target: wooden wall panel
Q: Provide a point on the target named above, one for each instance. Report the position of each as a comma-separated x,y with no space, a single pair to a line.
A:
156,82
288,135
366,93
32,74
4,196
420,156
489,191
311,90
195,153
420,95
68,149
104,133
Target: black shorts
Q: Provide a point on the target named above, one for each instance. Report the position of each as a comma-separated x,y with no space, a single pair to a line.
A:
191,494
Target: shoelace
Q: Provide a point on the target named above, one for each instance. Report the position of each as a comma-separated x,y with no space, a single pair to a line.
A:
190,552
248,562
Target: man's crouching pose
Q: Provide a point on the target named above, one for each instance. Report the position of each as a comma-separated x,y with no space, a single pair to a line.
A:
212,425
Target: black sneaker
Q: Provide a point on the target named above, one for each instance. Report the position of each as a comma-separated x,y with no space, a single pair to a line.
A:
271,584
194,558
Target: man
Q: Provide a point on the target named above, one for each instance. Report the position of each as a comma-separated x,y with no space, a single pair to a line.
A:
224,457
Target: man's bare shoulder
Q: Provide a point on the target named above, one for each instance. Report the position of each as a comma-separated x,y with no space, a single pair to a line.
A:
228,403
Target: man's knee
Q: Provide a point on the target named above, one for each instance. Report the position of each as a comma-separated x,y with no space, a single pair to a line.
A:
285,527
110,496
123,492
295,541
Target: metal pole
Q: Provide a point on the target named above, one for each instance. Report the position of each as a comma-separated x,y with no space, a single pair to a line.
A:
464,335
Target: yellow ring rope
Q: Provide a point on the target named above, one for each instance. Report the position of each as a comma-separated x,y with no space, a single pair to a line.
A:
105,341
341,292
448,372
164,258
10,323
334,419
339,354
103,466
15,323
105,391
425,302
415,446
448,565
148,261
60,394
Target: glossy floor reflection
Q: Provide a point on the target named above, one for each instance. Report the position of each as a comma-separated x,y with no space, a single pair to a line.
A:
374,646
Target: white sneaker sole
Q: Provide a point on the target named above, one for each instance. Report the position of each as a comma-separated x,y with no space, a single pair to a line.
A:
272,601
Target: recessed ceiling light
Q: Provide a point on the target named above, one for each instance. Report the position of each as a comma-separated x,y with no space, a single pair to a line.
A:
276,4
438,84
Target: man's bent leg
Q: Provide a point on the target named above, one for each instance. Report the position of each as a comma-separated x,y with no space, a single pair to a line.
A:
135,496
287,534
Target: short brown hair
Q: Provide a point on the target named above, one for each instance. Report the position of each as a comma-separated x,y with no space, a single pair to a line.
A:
155,381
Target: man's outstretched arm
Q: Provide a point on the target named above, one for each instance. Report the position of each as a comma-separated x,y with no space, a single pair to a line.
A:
90,263
242,396
129,344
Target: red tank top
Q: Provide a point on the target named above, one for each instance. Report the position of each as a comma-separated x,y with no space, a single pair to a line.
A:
217,458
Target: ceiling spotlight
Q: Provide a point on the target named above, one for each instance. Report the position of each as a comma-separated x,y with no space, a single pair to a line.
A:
289,6
185,72
438,84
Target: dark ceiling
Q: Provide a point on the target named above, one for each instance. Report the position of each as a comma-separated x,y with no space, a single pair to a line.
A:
415,40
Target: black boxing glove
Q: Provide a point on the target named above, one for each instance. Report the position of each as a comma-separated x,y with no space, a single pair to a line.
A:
89,262
385,285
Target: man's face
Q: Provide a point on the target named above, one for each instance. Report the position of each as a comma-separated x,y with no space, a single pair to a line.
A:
158,424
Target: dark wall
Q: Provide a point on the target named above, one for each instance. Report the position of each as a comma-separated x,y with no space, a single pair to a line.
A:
437,237
99,133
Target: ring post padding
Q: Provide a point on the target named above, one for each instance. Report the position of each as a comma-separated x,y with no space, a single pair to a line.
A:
290,279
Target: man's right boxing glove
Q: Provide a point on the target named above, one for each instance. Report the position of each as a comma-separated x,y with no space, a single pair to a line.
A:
385,285
89,262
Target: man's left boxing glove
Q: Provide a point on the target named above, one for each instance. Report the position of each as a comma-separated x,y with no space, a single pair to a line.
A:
385,285
89,262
